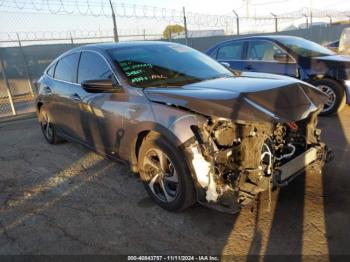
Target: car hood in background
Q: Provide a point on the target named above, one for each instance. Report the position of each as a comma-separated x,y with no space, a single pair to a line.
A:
334,58
335,65
244,98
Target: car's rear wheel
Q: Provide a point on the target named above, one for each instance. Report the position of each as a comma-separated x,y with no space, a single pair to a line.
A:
336,96
165,174
48,128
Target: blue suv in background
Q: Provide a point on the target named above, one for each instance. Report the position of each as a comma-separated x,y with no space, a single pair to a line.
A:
291,56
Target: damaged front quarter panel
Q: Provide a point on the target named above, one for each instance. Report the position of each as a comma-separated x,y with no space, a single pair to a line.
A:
233,161
251,138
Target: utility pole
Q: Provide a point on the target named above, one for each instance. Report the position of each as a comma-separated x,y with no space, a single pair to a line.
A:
115,30
307,21
237,21
247,6
276,22
185,25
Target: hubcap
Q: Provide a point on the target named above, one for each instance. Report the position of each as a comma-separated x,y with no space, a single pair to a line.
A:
161,175
331,97
46,126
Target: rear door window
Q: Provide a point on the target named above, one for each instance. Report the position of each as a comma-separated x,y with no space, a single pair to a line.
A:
93,67
231,51
66,68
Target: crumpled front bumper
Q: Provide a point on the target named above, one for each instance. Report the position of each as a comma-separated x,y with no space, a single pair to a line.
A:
314,158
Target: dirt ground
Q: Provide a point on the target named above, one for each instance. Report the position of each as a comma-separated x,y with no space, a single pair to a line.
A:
65,199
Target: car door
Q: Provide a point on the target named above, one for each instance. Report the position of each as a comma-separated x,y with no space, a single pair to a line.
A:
261,57
64,86
101,114
232,54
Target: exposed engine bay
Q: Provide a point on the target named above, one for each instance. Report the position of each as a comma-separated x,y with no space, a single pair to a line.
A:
234,161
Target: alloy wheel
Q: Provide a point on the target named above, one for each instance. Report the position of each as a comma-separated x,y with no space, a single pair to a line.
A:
331,97
161,175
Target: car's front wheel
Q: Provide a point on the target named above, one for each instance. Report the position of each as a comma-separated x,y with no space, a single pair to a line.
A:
336,96
48,128
165,174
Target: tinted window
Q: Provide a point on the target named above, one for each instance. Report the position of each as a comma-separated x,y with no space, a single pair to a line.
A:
51,70
92,67
213,53
231,51
66,68
304,47
165,65
262,51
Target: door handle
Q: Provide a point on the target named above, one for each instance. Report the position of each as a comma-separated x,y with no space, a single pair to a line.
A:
75,97
248,67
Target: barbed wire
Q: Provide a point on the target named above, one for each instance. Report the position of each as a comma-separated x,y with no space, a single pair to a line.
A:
102,8
71,34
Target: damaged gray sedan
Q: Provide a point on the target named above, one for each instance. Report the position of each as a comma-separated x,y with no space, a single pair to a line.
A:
192,129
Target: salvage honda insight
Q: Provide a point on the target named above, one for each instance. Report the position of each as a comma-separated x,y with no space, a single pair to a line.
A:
191,128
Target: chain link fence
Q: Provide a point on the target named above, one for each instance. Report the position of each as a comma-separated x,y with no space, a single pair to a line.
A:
34,32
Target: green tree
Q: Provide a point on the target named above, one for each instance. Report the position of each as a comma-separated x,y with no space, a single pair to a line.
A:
172,29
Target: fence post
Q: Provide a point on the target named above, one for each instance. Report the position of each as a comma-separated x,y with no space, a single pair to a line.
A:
185,25
237,21
276,22
169,33
307,21
115,30
330,20
311,18
144,34
7,85
71,38
26,66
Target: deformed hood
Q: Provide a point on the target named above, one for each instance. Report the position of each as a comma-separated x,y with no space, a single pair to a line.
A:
280,99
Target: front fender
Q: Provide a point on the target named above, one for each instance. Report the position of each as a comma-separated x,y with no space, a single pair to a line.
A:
172,123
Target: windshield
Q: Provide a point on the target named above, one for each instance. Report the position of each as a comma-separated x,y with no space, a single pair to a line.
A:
304,47
163,65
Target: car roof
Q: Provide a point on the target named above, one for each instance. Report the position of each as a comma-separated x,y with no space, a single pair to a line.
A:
264,37
112,45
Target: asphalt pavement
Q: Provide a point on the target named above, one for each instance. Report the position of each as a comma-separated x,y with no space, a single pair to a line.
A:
65,199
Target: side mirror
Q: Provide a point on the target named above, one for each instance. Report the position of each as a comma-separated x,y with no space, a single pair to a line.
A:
225,64
100,86
282,58
228,66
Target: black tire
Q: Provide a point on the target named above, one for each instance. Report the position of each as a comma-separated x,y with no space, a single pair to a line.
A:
48,129
185,192
337,95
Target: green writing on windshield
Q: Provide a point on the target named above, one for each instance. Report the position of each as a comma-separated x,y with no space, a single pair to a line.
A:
139,72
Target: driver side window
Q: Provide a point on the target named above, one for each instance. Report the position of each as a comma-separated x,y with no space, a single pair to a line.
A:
93,67
263,51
